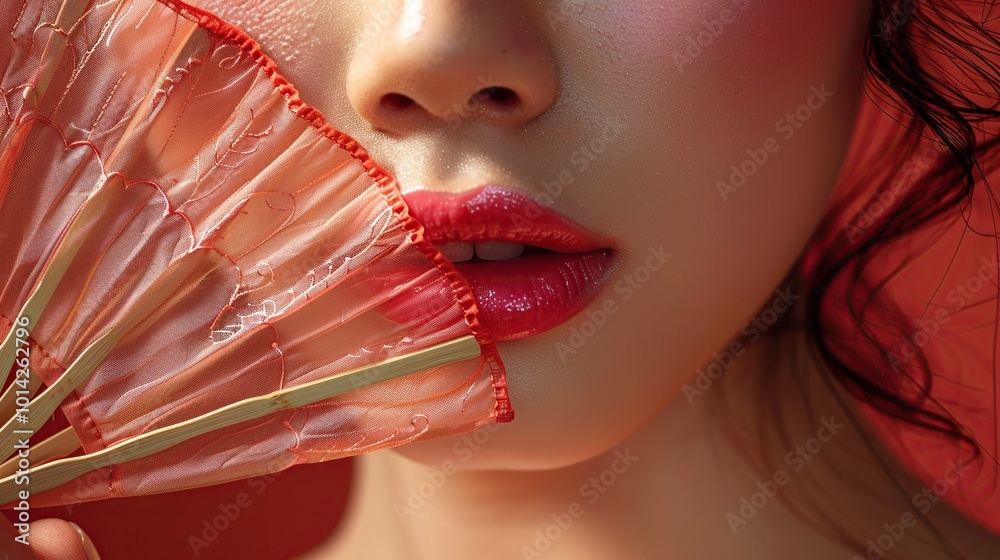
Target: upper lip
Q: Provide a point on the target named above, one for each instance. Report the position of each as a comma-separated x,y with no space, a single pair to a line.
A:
494,213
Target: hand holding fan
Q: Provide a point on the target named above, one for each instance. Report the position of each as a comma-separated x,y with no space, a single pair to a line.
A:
196,265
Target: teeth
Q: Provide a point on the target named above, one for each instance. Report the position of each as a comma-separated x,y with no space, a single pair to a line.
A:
457,251
461,251
498,250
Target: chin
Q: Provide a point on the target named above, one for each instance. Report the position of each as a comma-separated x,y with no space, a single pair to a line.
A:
489,448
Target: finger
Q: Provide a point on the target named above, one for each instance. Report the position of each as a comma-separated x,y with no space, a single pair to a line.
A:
10,548
88,545
55,539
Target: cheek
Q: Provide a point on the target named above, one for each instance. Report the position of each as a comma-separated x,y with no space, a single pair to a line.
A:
746,36
292,32
748,108
752,108
286,24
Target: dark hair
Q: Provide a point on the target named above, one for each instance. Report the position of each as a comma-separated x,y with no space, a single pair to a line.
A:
938,104
932,65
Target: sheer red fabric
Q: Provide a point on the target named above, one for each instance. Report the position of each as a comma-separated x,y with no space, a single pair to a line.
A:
163,144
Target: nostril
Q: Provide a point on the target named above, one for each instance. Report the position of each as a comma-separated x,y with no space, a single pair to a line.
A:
499,97
493,101
396,101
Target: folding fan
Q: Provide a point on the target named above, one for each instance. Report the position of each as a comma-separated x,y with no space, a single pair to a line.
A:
210,280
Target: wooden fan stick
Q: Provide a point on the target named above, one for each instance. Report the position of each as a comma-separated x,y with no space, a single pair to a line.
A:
59,445
69,245
56,473
69,13
61,258
170,63
45,404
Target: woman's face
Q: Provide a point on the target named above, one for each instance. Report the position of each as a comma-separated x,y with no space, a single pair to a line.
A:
698,140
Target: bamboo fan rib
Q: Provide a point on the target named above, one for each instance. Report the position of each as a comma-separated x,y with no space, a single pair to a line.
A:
205,277
59,472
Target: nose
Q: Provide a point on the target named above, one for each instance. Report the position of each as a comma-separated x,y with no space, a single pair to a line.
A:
441,62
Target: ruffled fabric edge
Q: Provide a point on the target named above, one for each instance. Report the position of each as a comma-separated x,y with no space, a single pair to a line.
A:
503,412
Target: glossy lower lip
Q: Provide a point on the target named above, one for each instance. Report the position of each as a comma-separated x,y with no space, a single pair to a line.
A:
529,294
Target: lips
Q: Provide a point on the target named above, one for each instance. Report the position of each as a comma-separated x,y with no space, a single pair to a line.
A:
530,268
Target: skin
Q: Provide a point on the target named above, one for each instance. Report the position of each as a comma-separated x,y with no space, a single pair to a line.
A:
625,71
51,539
577,84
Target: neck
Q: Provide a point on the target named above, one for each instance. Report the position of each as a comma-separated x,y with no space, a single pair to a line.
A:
681,487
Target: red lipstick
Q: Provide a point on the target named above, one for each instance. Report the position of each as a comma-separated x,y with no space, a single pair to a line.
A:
520,291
